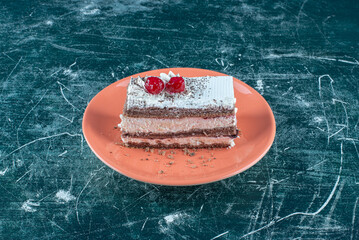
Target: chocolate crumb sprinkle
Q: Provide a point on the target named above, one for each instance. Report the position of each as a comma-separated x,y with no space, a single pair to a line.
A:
161,152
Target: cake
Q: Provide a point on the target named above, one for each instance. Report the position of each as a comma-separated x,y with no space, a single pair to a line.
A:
170,111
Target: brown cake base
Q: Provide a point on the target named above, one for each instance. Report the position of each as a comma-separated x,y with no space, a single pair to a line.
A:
163,146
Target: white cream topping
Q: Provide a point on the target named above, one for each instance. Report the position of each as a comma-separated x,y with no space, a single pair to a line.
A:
193,141
170,125
200,93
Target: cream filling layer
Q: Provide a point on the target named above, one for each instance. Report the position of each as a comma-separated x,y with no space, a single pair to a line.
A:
193,141
171,125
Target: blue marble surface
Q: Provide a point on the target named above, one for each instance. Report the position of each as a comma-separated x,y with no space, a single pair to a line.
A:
302,56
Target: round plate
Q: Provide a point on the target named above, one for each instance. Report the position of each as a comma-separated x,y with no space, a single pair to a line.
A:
175,167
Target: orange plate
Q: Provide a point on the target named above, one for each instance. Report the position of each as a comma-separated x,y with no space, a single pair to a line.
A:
255,120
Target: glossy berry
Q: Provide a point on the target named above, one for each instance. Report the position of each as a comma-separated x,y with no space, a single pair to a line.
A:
154,85
175,85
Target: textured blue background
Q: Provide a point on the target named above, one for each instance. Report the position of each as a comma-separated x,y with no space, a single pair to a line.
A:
302,56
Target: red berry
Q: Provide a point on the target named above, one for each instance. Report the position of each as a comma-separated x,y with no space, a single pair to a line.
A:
154,85
175,85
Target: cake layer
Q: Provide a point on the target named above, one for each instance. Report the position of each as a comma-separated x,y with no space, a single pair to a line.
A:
160,126
203,96
175,112
216,132
183,142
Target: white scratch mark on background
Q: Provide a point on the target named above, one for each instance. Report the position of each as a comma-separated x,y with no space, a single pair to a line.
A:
301,101
2,172
220,235
189,196
27,114
69,72
289,89
135,201
54,73
71,121
353,218
318,119
356,149
273,222
258,210
349,139
143,226
200,210
157,60
172,217
349,62
335,202
346,117
229,208
75,50
315,165
11,74
149,28
334,100
338,100
57,225
332,135
219,63
171,220
63,153
73,64
64,196
299,13
299,55
279,207
90,10
78,197
44,138
28,206
322,103
63,95
49,22
259,86
23,176
8,57
48,195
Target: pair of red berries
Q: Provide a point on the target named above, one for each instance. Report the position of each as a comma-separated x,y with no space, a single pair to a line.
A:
155,85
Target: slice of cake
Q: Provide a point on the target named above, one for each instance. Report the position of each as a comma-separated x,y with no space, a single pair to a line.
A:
169,111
